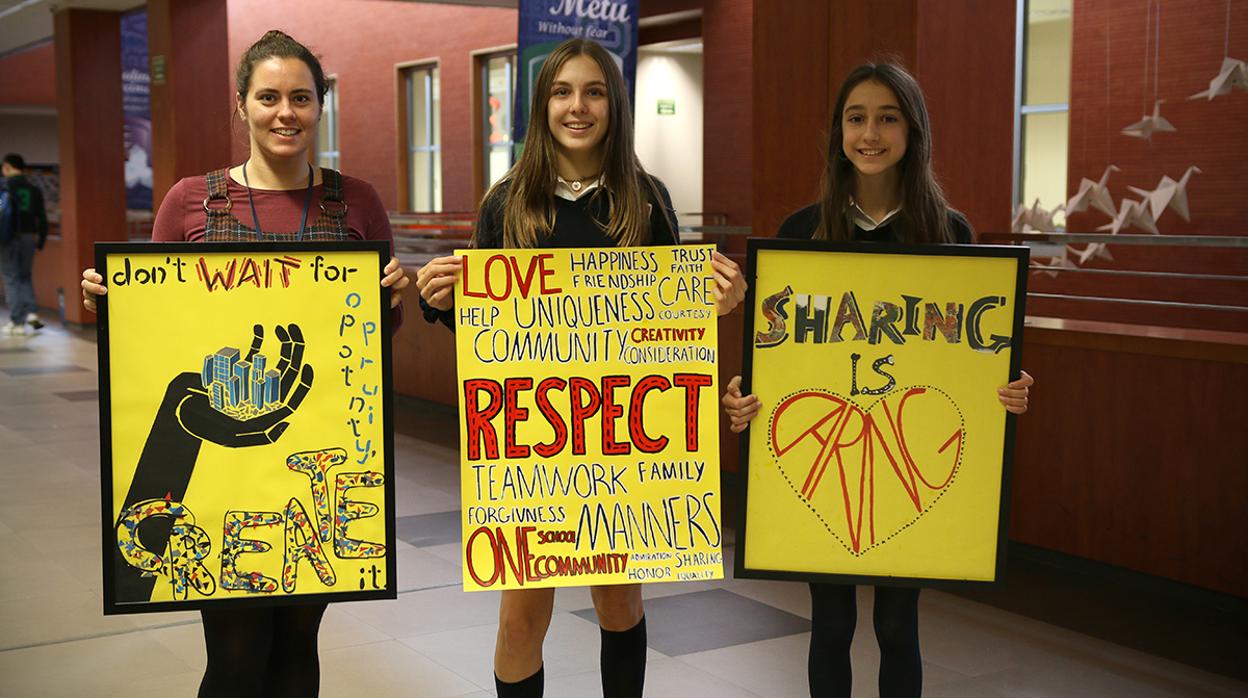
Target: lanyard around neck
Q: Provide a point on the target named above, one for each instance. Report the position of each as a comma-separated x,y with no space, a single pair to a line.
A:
307,203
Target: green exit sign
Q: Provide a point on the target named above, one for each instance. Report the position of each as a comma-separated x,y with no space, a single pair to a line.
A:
667,107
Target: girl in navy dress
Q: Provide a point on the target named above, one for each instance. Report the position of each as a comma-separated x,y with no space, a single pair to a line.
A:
878,186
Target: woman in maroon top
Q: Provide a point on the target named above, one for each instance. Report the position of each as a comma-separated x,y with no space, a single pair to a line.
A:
274,196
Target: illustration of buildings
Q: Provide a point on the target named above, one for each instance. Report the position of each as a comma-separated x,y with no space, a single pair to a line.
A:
272,387
240,388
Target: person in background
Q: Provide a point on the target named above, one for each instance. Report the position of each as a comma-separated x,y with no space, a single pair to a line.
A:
23,230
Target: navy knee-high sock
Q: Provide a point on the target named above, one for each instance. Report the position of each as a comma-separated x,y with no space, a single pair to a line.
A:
531,687
624,661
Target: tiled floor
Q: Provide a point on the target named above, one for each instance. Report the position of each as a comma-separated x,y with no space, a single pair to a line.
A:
728,639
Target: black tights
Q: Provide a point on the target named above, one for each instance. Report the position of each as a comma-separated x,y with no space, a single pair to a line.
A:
268,652
834,612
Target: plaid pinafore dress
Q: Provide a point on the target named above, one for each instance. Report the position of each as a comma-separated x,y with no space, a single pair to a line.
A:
222,226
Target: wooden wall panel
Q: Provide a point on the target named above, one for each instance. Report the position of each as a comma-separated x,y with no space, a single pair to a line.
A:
193,118
791,106
88,100
1131,454
965,63
727,86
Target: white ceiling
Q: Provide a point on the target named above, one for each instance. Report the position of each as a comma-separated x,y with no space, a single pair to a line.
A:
25,22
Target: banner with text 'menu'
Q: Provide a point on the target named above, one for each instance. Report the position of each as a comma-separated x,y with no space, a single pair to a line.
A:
588,399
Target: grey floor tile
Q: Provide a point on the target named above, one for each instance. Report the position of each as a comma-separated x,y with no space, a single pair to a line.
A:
80,395
424,530
41,370
707,620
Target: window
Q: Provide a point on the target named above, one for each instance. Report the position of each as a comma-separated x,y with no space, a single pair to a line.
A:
498,74
327,133
1043,100
424,139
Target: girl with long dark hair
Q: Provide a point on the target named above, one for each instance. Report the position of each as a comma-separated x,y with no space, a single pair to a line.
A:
578,183
877,186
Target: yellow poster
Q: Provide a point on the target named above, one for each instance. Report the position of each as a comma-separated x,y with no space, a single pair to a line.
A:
589,405
244,414
880,450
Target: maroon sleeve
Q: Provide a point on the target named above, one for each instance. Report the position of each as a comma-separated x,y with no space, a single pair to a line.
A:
172,220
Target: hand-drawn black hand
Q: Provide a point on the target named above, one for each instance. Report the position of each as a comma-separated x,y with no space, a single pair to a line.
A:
183,422
197,416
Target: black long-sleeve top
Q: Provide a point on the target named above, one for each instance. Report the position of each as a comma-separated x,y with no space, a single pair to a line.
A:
802,225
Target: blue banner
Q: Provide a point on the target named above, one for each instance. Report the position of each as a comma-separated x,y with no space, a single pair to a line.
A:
544,24
136,108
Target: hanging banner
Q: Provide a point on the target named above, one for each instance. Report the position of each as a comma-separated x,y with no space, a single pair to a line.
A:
136,110
589,425
246,449
544,24
881,454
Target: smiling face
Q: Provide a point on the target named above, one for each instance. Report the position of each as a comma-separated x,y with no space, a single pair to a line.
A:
874,130
281,108
578,108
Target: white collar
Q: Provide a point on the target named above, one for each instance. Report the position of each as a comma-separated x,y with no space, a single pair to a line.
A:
863,220
564,190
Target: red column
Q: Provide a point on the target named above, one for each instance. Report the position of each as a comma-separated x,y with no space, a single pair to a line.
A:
88,100
192,102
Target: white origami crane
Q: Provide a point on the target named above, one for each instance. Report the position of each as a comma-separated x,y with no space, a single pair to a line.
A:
1094,250
1055,263
1035,218
1094,193
1168,193
1144,128
1131,213
1234,74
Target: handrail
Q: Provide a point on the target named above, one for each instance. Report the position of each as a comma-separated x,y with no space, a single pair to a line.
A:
1104,238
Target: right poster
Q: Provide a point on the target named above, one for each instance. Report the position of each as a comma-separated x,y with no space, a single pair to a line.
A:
880,454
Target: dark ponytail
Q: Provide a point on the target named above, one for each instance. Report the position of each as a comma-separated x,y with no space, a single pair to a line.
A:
278,44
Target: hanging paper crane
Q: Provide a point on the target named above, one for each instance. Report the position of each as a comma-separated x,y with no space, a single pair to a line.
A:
1233,75
1169,193
1035,218
1095,194
1131,213
1144,128
1094,250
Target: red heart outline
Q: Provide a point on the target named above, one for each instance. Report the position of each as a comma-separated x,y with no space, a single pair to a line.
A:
829,430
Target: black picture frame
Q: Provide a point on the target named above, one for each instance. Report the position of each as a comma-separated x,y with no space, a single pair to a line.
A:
111,606
1021,255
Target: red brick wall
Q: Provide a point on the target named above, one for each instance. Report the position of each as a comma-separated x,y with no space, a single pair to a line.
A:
361,42
1210,135
28,77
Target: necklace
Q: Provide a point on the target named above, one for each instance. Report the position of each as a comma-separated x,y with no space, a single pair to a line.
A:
577,184
307,203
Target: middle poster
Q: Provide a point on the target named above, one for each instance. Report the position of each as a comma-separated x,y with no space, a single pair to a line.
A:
588,403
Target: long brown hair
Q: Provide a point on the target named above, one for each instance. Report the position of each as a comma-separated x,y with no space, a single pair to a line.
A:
529,209
924,211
